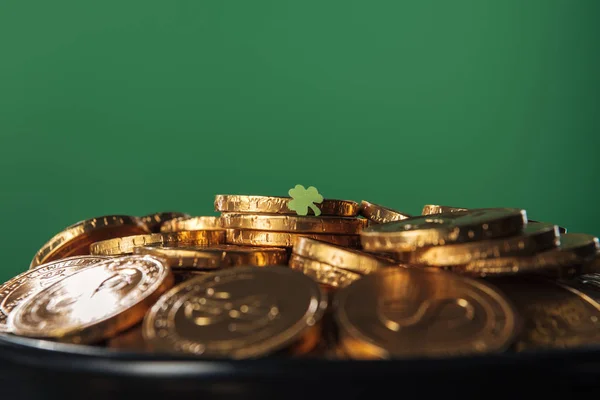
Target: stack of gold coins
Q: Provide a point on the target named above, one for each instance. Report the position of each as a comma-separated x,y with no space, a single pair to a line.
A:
268,221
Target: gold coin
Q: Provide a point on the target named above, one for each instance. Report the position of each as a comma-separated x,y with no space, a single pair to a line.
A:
565,261
25,285
244,312
191,224
294,224
422,312
336,256
285,239
155,221
215,257
127,244
431,209
278,205
323,273
555,315
129,340
75,240
380,214
441,229
534,239
95,302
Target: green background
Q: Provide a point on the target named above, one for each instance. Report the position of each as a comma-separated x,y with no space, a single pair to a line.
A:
134,107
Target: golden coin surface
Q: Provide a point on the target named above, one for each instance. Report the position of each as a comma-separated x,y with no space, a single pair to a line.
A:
337,256
284,239
294,224
155,221
536,237
379,214
94,303
323,273
76,239
441,229
554,315
25,285
192,224
215,257
278,205
129,340
127,244
414,312
244,312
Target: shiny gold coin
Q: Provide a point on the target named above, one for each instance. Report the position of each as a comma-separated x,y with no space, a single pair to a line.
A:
307,342
555,315
430,209
294,224
191,224
95,302
25,285
278,205
76,239
215,257
380,214
285,239
337,256
155,221
536,237
129,340
323,273
442,229
413,312
127,244
244,312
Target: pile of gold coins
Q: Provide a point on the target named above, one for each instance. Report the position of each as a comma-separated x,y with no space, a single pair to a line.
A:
335,280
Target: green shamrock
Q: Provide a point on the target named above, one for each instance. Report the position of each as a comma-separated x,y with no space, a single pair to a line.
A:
303,198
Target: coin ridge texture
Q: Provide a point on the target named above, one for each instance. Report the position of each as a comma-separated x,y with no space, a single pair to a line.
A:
337,256
536,237
34,280
192,224
127,244
285,239
146,278
295,224
323,273
278,205
380,214
244,312
75,240
418,312
441,229
222,256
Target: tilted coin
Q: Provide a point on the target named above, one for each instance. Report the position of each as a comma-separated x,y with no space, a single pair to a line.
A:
379,214
127,244
337,256
323,273
95,302
431,209
285,239
244,312
23,286
536,237
75,240
426,312
278,205
192,224
214,257
441,229
295,224
555,315
155,221
583,245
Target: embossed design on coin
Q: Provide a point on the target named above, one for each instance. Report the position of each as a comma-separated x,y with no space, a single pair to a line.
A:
95,302
21,287
236,313
422,312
